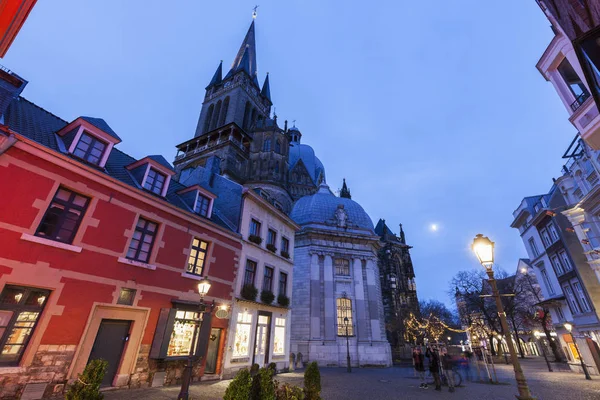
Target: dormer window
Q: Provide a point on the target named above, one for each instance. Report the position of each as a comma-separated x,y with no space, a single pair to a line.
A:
155,181
90,149
202,205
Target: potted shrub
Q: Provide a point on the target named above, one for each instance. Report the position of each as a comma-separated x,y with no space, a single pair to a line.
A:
271,247
249,292
267,297
255,239
312,382
87,385
285,254
283,300
239,388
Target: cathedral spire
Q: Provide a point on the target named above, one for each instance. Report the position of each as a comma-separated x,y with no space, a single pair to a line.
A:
246,55
266,89
345,192
217,77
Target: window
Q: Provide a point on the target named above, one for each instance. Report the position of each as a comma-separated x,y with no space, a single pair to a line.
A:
250,272
344,310
342,267
180,344
577,193
553,233
559,313
63,217
89,149
267,145
282,284
285,244
197,257
242,335
558,268
155,181
271,237
202,205
20,309
126,296
571,299
546,280
545,237
279,339
571,78
142,240
534,248
277,146
585,305
268,279
565,260
254,227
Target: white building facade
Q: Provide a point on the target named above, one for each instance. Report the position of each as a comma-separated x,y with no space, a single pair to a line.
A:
260,324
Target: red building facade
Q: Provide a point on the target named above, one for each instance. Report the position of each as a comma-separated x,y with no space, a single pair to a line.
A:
100,256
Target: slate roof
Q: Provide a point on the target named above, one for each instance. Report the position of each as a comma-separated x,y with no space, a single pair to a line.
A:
102,125
312,163
39,125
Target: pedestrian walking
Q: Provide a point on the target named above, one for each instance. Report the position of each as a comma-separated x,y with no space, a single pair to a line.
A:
434,366
419,363
447,364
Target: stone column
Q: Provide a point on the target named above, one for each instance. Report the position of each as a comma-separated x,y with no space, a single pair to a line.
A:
315,297
359,301
329,298
374,300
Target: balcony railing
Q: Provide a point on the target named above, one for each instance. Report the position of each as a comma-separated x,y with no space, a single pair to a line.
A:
580,100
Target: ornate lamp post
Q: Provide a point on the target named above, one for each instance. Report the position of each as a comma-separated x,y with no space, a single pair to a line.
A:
484,250
569,328
349,368
537,335
184,393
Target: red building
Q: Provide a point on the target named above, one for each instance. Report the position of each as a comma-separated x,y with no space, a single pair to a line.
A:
13,14
100,256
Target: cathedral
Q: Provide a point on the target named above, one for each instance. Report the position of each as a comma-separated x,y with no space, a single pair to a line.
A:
338,254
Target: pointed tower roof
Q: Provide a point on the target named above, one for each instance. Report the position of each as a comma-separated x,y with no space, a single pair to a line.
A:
345,192
217,77
246,55
266,89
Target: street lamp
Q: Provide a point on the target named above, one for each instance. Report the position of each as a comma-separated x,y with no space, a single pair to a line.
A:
349,368
184,393
537,335
484,250
569,328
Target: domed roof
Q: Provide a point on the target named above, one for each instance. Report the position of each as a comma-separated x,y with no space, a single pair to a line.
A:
322,208
311,162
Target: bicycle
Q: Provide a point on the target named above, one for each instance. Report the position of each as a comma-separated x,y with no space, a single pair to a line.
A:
457,378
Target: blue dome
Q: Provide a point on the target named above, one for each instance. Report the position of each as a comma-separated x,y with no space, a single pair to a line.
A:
321,207
311,162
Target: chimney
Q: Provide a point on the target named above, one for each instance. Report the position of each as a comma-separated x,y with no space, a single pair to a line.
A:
11,86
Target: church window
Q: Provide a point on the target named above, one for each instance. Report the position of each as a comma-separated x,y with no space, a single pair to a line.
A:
252,118
277,146
267,145
209,115
215,119
342,267
224,111
344,317
246,116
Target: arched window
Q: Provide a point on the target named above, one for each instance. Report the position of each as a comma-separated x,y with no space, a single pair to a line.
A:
267,145
246,116
344,316
215,118
224,111
209,115
252,118
277,146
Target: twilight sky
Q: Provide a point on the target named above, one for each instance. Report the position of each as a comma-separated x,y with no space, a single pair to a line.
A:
434,112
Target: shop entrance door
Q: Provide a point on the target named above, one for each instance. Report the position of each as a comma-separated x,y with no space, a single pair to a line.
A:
109,344
213,351
262,338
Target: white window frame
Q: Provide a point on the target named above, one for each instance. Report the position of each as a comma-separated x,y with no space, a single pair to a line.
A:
567,265
583,301
533,246
553,233
571,299
545,237
547,281
558,267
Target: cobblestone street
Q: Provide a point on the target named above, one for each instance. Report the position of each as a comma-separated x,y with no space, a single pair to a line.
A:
399,383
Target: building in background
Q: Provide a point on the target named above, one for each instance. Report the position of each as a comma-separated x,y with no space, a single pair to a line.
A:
549,226
101,256
572,61
398,288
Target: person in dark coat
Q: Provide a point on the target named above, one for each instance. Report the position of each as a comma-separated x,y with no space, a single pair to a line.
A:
419,362
447,364
434,366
